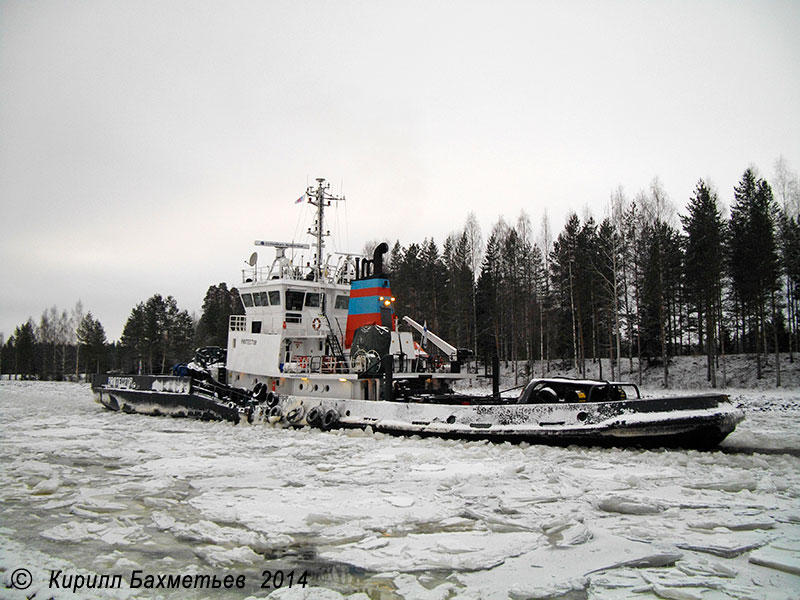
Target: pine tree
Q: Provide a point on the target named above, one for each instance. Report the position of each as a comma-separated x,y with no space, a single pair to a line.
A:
157,333
134,340
24,340
7,353
607,269
409,277
395,261
218,306
487,299
180,334
659,246
91,337
463,290
431,278
703,267
530,274
564,277
790,254
512,282
753,256
586,285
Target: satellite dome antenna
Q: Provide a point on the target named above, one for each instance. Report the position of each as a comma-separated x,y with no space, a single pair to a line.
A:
253,259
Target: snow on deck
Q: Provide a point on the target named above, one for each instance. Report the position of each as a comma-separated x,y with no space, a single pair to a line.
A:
85,490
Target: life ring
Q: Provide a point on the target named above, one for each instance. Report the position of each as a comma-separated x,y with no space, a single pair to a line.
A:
316,323
314,417
295,415
329,419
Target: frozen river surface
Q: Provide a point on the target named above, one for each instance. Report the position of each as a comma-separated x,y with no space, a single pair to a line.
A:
86,491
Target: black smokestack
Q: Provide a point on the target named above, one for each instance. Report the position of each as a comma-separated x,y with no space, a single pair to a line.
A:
377,259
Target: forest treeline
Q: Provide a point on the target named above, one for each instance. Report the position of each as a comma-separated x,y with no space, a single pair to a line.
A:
643,283
156,336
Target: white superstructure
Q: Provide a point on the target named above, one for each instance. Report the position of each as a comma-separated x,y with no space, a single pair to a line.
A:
293,334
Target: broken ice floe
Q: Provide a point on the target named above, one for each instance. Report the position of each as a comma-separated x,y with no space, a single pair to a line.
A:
435,517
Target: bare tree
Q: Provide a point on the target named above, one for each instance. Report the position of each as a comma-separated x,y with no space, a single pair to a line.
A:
64,337
787,192
75,320
619,207
787,187
472,230
546,245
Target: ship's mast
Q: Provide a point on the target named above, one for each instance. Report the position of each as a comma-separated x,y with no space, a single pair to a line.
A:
320,197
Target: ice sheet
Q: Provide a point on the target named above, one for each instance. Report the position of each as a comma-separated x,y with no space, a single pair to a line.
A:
96,491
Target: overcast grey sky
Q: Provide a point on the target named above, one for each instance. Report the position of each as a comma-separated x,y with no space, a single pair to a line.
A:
144,145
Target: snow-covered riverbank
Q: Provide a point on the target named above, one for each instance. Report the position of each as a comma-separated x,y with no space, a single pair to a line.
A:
89,491
735,371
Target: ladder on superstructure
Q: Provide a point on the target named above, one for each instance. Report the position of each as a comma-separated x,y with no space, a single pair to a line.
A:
333,342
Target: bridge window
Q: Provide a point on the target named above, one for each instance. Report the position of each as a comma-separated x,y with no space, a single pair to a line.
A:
312,300
294,300
247,300
257,299
275,298
342,302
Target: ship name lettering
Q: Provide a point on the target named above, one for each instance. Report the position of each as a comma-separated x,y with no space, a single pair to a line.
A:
121,382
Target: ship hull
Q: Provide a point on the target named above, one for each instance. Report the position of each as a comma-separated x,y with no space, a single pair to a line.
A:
690,421
164,396
695,421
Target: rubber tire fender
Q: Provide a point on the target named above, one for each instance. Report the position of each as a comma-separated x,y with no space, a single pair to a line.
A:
295,415
314,416
276,411
272,399
329,419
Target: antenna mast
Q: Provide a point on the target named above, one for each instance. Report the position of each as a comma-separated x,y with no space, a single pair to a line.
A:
320,197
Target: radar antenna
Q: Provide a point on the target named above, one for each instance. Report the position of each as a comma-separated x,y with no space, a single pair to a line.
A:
280,247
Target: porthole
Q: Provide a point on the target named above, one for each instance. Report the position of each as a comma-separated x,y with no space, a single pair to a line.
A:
347,414
451,419
316,387
327,388
301,386
582,416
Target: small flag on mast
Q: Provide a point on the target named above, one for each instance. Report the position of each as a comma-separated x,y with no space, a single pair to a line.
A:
300,199
424,333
